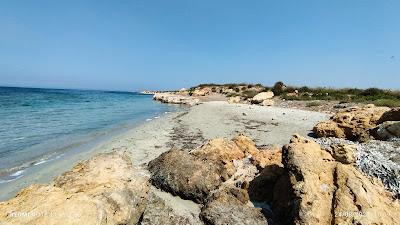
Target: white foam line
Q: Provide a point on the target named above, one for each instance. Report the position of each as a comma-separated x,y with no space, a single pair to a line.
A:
16,174
40,162
6,181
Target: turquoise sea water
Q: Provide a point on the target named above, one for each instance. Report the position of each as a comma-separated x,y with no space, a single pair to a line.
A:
39,125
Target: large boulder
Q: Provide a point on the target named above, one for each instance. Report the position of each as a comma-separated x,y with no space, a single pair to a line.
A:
259,157
355,123
218,166
184,175
235,99
106,189
388,130
260,97
329,129
163,208
391,115
311,172
223,208
268,102
349,196
222,153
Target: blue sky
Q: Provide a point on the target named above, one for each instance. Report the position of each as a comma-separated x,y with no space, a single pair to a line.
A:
149,44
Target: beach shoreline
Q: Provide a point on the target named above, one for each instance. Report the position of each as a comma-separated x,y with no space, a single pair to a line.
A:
184,129
46,171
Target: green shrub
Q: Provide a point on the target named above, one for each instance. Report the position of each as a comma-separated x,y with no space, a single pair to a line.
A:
387,102
312,104
278,88
249,94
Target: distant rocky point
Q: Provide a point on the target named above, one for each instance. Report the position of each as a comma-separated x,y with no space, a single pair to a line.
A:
149,92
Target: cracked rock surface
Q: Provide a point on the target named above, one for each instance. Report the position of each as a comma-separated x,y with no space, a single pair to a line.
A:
328,191
106,189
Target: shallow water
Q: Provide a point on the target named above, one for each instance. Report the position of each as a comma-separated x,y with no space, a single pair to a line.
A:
41,125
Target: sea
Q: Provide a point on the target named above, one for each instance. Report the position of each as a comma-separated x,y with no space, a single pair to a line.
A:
41,125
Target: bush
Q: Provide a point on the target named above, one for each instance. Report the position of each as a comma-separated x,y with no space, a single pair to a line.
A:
373,92
249,94
311,104
278,88
387,102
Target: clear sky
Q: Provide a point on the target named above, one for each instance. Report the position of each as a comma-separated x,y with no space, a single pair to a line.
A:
169,44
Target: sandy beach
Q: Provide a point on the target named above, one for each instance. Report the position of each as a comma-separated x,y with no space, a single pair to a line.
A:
185,130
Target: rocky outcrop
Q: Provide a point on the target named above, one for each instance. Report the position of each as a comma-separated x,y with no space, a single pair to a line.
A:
162,208
173,98
221,153
321,179
223,208
236,99
234,182
202,91
355,123
106,189
388,130
147,92
268,102
194,175
391,115
260,97
184,175
216,174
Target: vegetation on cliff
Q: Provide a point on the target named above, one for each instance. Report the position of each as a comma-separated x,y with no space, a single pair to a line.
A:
379,97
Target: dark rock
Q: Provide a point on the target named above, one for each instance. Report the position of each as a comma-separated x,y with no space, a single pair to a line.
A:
223,208
162,208
184,175
392,115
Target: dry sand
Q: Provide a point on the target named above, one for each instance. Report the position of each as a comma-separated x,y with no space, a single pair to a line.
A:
188,129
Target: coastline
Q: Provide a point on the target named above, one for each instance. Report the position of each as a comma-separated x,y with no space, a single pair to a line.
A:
185,129
46,171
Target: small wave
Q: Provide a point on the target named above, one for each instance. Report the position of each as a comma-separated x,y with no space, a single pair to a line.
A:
12,177
48,159
18,173
166,112
59,156
148,119
40,162
20,138
6,181
156,117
